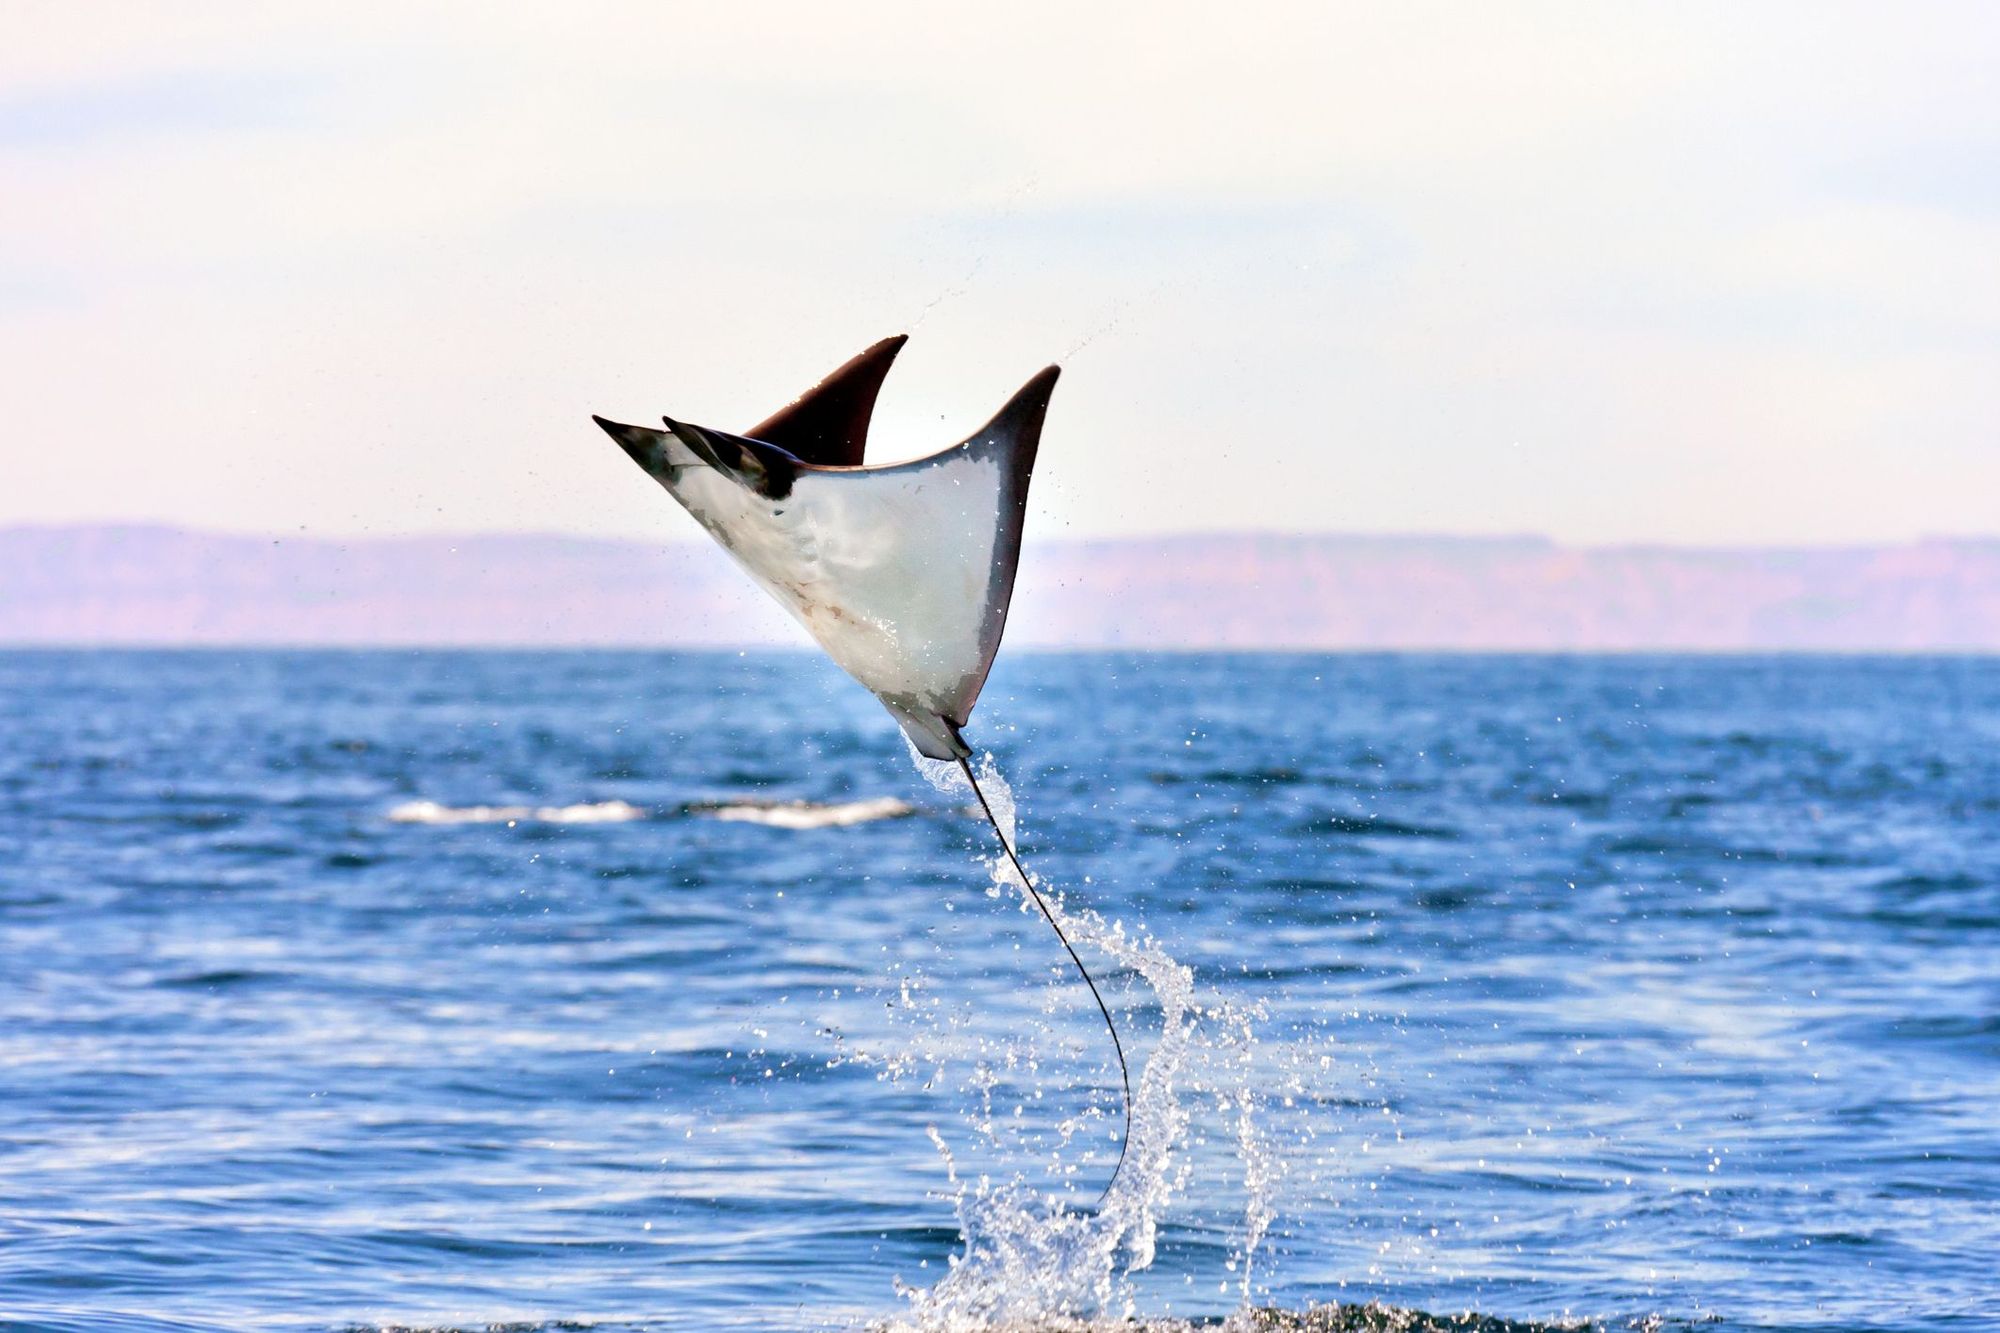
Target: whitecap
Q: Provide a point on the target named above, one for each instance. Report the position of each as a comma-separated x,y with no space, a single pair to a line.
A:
808,814
597,812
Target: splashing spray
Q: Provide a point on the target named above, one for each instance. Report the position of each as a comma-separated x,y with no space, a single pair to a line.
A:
1029,1256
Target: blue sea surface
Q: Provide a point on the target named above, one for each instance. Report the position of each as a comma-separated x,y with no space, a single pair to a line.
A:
335,991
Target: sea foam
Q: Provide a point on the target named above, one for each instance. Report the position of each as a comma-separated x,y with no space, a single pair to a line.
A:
598,812
806,814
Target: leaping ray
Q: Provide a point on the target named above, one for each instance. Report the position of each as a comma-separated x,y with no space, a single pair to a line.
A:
902,572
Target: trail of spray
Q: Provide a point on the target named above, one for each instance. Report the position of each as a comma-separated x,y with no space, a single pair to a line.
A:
1031,1257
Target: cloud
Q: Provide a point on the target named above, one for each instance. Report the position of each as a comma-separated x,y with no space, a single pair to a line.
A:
188,102
1687,273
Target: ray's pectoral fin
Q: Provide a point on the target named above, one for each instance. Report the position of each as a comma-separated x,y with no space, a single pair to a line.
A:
827,425
665,454
650,449
1011,441
975,543
763,468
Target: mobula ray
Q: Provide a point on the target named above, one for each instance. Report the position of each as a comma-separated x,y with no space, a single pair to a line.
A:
901,572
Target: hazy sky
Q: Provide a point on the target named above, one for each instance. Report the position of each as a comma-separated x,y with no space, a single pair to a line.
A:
1678,272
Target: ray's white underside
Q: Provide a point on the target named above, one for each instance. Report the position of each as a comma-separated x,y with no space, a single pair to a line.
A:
891,570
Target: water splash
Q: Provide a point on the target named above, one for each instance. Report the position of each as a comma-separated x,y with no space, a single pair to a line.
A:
1031,1257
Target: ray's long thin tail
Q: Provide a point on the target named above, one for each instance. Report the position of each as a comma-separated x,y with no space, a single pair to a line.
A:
1124,1074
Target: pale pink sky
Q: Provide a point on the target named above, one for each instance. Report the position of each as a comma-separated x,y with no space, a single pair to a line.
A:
1691,273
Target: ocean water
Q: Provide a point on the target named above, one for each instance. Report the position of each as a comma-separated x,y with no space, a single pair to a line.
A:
654,990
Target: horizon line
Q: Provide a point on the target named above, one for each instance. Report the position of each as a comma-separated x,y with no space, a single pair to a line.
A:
749,647
1518,539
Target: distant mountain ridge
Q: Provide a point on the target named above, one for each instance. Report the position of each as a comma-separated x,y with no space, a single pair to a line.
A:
156,585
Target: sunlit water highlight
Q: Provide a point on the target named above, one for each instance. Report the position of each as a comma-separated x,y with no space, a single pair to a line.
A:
1549,988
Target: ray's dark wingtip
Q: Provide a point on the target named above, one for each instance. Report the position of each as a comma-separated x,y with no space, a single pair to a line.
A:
1039,387
641,445
875,358
617,430
1020,419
